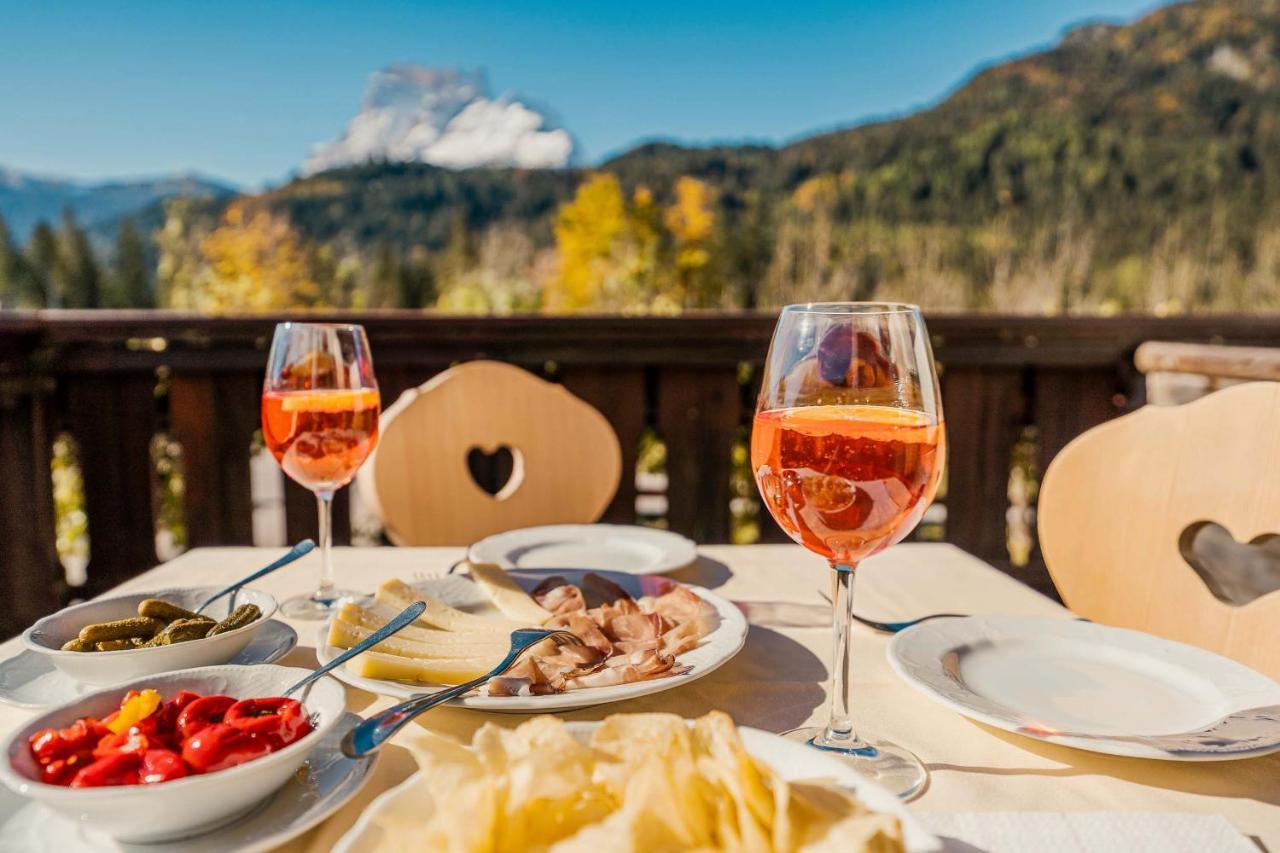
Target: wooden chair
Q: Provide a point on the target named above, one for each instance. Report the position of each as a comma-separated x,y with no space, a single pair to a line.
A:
564,458
1179,373
1164,520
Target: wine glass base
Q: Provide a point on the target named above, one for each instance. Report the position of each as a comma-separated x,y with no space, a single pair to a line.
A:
313,607
888,765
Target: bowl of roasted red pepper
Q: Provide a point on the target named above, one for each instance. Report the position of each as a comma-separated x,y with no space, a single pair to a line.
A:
174,754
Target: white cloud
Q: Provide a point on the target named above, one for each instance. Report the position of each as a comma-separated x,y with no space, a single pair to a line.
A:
445,117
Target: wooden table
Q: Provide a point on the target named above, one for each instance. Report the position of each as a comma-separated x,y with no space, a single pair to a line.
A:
778,682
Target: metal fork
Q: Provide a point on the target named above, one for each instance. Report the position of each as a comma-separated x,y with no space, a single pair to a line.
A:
367,736
894,627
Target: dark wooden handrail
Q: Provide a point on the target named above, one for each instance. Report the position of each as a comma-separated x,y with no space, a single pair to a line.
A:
114,379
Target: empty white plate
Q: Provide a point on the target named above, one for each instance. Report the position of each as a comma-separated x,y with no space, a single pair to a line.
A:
611,547
1087,686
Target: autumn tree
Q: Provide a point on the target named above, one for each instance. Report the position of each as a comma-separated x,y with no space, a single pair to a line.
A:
691,221
253,261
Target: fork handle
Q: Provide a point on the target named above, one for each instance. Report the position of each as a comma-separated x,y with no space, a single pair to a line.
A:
365,737
371,733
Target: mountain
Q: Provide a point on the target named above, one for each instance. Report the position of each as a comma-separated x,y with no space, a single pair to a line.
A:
446,117
1132,167
99,206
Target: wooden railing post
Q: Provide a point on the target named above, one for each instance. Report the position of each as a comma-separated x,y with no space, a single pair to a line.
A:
984,411
113,422
698,413
30,575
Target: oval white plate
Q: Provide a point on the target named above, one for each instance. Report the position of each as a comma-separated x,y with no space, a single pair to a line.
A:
791,761
1035,676
329,781
459,591
599,547
30,680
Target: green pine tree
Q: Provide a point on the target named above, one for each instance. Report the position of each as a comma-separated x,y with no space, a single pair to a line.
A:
130,285
83,282
416,282
45,262
381,289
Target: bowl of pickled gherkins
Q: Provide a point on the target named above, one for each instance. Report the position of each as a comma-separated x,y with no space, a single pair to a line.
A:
111,640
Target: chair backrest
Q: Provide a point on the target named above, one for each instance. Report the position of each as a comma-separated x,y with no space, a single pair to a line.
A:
1164,521
565,460
1179,373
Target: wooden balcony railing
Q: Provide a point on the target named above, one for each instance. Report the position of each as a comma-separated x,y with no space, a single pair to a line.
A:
114,380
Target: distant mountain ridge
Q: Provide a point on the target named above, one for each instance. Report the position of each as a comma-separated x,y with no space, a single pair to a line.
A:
1128,167
97,205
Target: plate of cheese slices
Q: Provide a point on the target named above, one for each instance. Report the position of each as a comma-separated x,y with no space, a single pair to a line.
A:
636,635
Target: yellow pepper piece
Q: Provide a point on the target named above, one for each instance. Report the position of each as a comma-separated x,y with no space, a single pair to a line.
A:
135,709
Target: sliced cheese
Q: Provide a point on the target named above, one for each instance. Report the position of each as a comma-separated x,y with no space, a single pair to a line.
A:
506,594
396,668
375,616
399,594
345,635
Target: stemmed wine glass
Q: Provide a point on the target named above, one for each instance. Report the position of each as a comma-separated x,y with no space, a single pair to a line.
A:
320,408
847,449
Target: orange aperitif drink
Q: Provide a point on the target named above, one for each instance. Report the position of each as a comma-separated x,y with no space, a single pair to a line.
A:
847,481
321,437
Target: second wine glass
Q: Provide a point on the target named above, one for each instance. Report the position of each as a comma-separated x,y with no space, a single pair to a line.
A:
320,408
848,448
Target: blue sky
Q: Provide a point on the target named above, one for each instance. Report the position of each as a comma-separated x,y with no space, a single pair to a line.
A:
242,90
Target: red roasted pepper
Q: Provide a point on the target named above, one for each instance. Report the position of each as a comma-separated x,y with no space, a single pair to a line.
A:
166,740
220,746
280,720
118,769
202,712
160,765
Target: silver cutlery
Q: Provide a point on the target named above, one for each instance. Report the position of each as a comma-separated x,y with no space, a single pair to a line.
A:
1240,731
895,627
403,618
306,546
368,735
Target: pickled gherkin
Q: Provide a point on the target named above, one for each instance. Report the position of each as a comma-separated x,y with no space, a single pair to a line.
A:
164,611
238,618
121,629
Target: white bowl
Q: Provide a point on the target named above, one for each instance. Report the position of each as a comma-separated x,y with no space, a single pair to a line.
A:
102,668
183,807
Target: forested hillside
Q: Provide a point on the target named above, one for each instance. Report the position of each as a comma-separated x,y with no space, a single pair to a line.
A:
1128,168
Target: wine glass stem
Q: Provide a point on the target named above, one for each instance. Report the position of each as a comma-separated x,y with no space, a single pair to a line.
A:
840,725
324,500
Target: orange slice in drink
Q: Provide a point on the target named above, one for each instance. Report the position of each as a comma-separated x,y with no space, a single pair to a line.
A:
337,400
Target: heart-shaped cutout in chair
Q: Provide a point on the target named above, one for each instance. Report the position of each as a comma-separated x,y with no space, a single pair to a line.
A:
499,471
1235,572
1122,503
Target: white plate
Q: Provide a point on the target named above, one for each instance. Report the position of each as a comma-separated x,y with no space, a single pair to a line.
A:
30,680
608,547
791,761
459,591
1035,676
329,780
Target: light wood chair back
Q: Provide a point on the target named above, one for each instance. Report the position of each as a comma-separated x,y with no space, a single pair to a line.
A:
566,460
1163,521
1179,372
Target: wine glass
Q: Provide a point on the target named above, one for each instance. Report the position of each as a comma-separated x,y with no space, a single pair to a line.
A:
320,408
847,450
